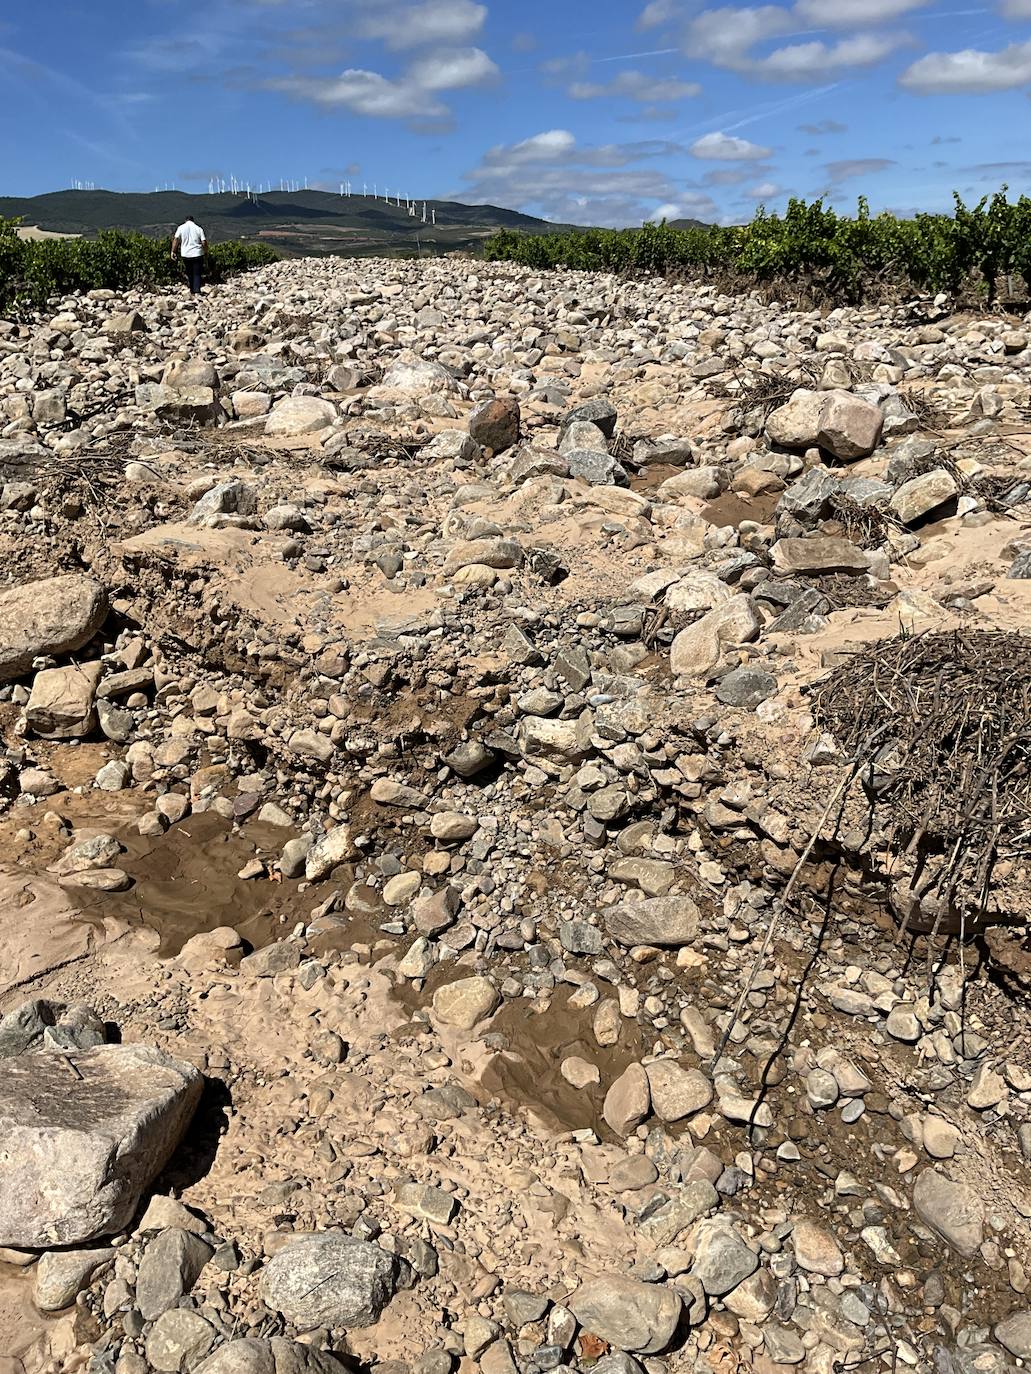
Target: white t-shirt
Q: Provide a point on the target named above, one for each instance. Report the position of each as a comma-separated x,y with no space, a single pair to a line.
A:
191,240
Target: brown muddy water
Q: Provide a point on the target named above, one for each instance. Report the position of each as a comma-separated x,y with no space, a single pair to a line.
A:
186,881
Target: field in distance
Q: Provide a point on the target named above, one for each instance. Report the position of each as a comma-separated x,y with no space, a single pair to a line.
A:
296,224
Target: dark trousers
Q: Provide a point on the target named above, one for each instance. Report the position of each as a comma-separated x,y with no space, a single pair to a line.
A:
193,269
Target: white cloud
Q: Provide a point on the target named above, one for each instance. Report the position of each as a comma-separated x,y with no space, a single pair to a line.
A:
546,147
432,21
636,86
365,93
724,36
846,13
1016,9
668,211
453,69
659,12
720,147
857,167
551,175
766,190
728,37
970,71
811,61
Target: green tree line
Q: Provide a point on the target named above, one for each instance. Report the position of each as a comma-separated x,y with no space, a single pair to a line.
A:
33,270
810,248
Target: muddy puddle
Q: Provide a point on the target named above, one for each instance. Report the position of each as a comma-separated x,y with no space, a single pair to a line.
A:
524,1045
531,1042
186,881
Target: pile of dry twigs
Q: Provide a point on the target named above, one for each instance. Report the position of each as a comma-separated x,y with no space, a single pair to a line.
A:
938,728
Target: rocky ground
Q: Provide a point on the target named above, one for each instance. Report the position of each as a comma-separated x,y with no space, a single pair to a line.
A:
445,926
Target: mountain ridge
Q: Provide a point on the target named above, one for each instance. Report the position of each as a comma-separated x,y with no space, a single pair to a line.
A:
296,223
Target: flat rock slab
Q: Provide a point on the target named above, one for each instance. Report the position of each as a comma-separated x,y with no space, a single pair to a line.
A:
54,616
81,1136
821,554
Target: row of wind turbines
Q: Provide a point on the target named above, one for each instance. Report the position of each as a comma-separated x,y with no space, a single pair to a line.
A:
220,185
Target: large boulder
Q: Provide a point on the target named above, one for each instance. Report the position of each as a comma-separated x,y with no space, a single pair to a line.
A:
628,1314
184,373
653,921
299,415
595,468
419,377
952,1209
55,616
250,1355
169,1267
225,498
698,649
1015,1334
797,423
850,427
628,1100
722,1260
465,1002
495,424
198,403
677,1092
82,1134
922,495
62,1274
844,425
823,553
331,1280
62,701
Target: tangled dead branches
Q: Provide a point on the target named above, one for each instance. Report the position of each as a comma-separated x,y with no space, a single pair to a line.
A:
939,727
760,393
866,526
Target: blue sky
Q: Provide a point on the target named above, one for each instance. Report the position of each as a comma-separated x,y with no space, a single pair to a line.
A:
591,111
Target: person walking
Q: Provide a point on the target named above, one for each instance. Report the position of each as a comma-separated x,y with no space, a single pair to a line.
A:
191,245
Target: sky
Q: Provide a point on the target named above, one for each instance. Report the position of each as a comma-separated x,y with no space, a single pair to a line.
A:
583,111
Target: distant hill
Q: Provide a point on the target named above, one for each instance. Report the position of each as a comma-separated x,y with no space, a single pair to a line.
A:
298,223
685,224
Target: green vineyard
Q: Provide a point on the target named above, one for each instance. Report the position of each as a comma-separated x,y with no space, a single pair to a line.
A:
33,271
811,249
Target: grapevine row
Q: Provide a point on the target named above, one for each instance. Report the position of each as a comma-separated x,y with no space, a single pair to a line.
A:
811,248
32,271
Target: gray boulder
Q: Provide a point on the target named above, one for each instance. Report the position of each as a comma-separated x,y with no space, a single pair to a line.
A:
420,377
299,415
722,1259
55,616
596,411
227,498
277,1356
1015,1334
595,468
62,1274
952,1209
628,1314
177,1340
332,1280
922,495
654,921
169,1267
746,687
83,1134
